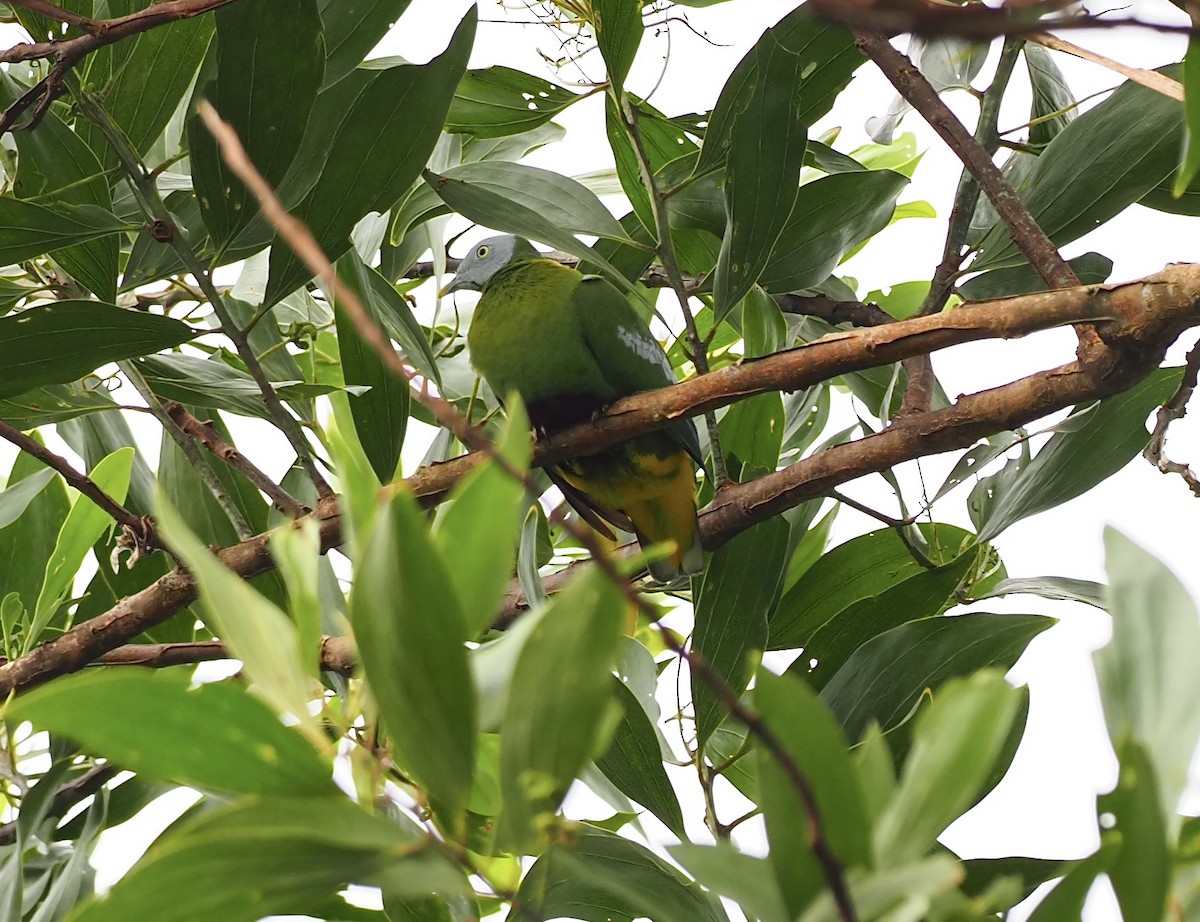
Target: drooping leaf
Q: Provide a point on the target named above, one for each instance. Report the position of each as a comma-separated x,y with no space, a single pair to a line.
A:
762,171
884,679
16,498
832,216
1189,158
1075,459
597,876
27,540
496,102
410,632
352,28
948,62
286,57
954,742
374,152
1140,870
1146,681
1053,587
734,602
814,742
554,714
1053,106
200,733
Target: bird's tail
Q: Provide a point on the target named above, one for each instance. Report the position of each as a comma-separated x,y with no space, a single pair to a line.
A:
670,515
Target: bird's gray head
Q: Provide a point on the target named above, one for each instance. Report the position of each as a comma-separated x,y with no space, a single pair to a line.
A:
487,258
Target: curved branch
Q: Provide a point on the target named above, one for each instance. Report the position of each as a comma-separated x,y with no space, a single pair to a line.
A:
1140,320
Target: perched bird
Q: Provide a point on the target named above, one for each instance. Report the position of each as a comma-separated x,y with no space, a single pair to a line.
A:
570,345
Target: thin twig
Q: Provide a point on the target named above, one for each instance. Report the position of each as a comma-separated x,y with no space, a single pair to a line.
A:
153,206
1175,408
300,239
204,433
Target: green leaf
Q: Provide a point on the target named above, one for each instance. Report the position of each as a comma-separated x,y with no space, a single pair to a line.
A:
297,552
1053,106
286,57
479,530
885,678
410,633
1077,458
498,101
618,25
724,870
352,28
253,627
28,540
894,893
149,83
1052,587
214,736
65,340
955,742
1091,269
597,876
374,152
28,229
1147,674
734,601
752,433
551,724
1141,869
633,762
269,856
827,58
80,530
762,172
1066,900
16,498
832,216
1189,159
810,735
381,414
54,162
924,595
392,310
856,571
1097,166
876,772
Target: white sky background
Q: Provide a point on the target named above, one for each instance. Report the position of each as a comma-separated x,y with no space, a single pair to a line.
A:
1045,806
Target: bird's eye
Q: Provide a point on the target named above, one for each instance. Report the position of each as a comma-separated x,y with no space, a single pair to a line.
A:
483,251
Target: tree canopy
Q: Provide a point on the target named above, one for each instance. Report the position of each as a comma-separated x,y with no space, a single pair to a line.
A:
217,219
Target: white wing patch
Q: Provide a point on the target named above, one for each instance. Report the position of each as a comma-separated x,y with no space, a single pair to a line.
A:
645,348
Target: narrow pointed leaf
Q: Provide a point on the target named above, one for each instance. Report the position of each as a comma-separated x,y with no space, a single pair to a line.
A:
28,229
618,25
498,101
352,28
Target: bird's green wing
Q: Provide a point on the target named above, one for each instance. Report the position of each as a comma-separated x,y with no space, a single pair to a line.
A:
627,354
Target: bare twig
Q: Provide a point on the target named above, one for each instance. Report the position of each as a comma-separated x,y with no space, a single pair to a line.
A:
1175,408
140,529
206,435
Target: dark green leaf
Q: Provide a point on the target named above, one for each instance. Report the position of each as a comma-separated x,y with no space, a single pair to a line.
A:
200,733
955,742
762,170
860,569
1091,269
498,101
375,152
597,876
1097,166
734,600
831,217
664,143
1053,105
410,633
65,340
618,25
17,496
262,857
28,229
811,737
381,414
923,595
285,56
352,28
827,58
54,162
884,679
1189,159
149,83
633,762
1141,869
1146,673
554,714
1078,458
27,542
752,433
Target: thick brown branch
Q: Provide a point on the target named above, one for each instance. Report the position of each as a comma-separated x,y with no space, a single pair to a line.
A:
1147,316
337,654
